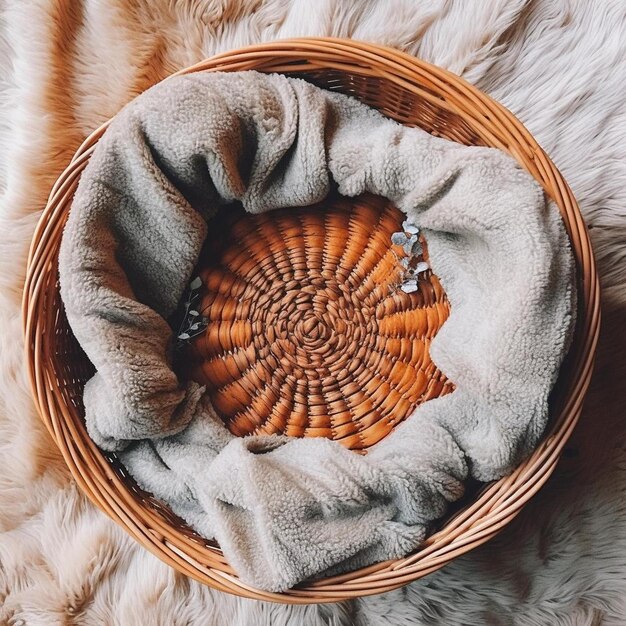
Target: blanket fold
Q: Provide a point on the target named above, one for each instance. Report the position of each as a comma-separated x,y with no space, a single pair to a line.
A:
284,510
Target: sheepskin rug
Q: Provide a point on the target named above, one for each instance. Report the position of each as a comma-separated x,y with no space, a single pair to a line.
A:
560,65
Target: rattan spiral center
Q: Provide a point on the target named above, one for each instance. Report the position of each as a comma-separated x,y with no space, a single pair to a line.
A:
317,329
308,332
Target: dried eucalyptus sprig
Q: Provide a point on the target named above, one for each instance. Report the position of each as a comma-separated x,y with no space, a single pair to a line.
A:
413,262
193,322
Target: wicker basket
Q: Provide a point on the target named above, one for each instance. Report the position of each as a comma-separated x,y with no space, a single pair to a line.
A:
413,93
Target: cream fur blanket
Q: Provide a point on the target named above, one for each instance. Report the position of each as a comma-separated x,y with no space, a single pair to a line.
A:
560,65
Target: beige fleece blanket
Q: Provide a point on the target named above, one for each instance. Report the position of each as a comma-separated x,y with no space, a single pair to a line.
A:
282,509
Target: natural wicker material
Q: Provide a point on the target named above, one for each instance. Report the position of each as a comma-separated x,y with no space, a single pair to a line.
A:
309,333
411,92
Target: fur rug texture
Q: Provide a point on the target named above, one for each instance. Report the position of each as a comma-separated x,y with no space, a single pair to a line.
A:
560,65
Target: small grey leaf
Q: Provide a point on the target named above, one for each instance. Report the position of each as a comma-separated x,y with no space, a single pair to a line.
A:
422,266
195,326
409,287
410,228
196,283
416,248
183,336
404,261
398,239
410,242
194,313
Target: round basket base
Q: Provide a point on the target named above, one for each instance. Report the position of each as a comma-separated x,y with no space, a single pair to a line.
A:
301,325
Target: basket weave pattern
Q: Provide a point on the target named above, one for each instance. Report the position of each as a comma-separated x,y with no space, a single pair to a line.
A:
411,92
309,334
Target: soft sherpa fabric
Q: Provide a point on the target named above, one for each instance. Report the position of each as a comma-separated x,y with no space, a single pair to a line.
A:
285,510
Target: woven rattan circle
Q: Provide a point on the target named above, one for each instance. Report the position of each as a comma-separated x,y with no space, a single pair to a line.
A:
309,333
411,92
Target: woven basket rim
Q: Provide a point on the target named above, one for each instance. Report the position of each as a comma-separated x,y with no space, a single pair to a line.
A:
497,504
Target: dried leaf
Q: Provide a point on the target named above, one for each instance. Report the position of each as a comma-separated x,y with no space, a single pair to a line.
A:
194,313
196,283
398,239
409,286
422,266
184,336
410,228
410,242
